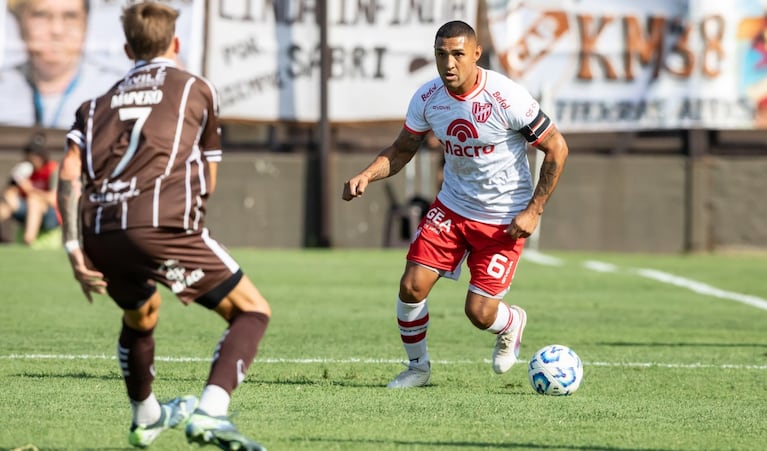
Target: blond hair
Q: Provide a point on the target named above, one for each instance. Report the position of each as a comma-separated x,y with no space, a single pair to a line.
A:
149,28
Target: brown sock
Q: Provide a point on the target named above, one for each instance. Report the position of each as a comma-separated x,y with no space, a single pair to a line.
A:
135,351
237,349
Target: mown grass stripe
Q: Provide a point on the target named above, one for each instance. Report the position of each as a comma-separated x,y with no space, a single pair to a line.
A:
318,360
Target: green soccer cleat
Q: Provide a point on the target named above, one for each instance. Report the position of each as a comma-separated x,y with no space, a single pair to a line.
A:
204,429
174,412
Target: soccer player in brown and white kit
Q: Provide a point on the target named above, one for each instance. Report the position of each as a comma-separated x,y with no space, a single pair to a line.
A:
139,167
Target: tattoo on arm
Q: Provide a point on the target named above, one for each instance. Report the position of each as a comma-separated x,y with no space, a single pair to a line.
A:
392,159
405,147
69,200
547,180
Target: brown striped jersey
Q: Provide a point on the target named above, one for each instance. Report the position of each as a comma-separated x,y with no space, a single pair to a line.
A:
146,148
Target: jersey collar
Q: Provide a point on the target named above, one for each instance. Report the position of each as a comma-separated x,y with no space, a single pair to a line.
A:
479,86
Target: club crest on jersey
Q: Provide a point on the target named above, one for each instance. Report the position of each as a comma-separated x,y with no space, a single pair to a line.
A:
481,111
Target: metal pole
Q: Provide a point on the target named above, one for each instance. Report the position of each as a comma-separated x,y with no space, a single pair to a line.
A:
323,182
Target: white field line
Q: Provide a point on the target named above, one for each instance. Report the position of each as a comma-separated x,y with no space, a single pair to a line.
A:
366,361
659,276
703,288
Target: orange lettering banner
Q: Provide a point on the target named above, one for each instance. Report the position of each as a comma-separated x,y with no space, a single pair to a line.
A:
616,65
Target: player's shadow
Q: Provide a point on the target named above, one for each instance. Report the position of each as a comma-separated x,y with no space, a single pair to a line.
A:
468,444
314,382
85,375
681,344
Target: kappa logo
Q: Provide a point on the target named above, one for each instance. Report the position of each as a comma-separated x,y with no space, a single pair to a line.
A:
481,111
462,129
178,277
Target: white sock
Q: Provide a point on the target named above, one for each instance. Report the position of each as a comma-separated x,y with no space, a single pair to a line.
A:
504,318
214,401
146,412
413,320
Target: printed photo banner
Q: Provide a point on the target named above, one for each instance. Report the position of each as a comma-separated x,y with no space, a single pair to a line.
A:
264,57
656,64
103,58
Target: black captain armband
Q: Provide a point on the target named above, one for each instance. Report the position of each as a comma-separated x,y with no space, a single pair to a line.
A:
534,131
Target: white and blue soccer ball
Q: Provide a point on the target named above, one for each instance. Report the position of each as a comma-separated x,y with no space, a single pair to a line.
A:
555,370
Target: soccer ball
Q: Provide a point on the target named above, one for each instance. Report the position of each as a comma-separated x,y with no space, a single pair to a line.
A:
555,370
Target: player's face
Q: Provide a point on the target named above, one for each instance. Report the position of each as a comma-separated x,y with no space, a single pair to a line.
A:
457,62
54,34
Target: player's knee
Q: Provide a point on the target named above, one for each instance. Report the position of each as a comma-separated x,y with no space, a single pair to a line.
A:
481,314
410,290
142,323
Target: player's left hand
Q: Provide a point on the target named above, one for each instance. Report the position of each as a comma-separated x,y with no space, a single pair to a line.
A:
91,281
523,225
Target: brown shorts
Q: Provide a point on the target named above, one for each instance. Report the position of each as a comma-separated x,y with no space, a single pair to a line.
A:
194,266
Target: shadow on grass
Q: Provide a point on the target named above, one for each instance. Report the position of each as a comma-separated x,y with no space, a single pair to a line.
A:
682,344
314,382
84,375
473,445
35,448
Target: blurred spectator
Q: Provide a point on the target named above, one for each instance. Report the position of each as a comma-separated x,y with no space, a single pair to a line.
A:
30,196
46,89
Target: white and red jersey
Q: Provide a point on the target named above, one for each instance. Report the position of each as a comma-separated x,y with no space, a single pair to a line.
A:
484,134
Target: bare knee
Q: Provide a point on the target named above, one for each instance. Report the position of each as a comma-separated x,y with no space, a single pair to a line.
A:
146,317
481,310
245,297
416,283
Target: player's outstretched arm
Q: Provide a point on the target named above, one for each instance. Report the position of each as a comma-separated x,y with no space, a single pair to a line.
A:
388,162
68,192
555,149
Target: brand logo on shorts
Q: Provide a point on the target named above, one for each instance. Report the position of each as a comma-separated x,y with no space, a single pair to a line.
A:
178,277
437,222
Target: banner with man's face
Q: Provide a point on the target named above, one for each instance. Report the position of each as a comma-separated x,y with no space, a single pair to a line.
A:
60,53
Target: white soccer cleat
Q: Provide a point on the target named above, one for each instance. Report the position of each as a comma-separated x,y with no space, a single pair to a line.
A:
507,344
414,376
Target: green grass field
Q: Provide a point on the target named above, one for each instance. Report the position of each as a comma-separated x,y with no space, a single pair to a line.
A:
667,367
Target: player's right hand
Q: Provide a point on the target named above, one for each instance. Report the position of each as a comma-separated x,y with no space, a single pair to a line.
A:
91,281
354,187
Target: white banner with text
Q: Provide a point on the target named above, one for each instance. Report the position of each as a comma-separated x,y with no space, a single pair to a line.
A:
623,65
264,57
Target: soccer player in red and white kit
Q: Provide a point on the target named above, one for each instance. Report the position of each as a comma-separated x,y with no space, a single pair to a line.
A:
147,153
487,205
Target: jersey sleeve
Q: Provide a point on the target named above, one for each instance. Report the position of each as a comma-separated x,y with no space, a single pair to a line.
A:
525,115
415,120
76,133
210,139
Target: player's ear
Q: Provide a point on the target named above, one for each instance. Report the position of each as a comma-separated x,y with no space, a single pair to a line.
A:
128,52
176,45
477,53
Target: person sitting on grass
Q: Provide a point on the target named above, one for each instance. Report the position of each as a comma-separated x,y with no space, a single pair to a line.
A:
30,196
